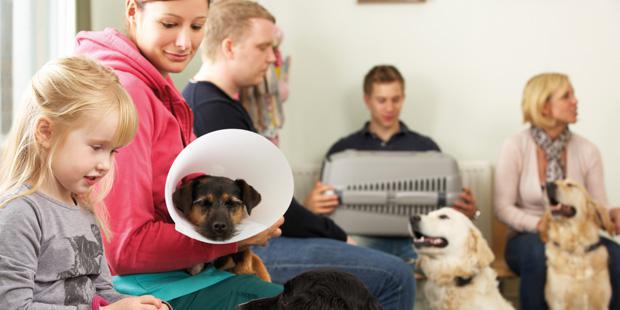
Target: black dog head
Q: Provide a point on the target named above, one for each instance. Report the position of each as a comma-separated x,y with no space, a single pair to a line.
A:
215,204
325,289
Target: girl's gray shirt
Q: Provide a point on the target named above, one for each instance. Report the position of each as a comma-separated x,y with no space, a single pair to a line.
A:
51,256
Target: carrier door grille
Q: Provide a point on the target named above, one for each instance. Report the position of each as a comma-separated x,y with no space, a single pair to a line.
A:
422,185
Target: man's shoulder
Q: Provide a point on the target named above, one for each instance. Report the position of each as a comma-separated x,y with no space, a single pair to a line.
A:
346,142
356,135
205,95
419,141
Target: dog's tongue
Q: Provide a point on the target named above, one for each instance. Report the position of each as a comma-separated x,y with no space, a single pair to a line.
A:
562,209
427,241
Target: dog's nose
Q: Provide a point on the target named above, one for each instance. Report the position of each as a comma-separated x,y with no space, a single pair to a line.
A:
414,219
219,226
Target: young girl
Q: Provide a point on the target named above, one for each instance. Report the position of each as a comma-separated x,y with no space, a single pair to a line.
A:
56,166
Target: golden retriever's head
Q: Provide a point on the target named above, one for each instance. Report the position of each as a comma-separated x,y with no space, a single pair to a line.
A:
448,234
569,204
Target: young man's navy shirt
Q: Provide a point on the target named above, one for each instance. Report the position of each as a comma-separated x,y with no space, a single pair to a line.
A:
403,140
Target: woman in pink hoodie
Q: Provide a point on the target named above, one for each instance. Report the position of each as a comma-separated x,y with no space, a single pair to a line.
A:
146,253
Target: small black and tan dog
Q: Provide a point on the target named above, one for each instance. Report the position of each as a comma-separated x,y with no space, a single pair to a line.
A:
216,205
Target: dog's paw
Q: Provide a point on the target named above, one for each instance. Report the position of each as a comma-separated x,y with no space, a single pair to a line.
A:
196,269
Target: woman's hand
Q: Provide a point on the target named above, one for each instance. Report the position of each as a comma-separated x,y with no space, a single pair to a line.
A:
466,203
614,214
320,200
146,302
262,238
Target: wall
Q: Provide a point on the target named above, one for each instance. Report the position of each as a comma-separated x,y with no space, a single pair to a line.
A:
465,63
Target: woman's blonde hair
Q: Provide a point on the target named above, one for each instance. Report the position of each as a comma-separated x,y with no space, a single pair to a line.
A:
69,92
537,92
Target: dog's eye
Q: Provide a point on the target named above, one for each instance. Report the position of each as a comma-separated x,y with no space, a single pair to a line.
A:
202,202
443,217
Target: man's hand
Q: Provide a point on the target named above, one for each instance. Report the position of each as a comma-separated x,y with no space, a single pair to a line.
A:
320,202
614,214
466,203
263,237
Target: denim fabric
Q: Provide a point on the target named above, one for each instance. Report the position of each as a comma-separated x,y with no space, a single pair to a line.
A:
525,255
386,276
398,246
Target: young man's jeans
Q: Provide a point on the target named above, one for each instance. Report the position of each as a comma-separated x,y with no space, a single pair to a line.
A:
386,276
525,254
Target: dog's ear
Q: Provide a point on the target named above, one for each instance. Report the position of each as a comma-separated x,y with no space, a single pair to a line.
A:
543,229
183,196
479,250
601,216
249,195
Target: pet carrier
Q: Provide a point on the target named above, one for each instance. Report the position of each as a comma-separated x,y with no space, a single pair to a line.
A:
379,190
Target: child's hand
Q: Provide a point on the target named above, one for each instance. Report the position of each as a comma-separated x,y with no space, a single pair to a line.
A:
141,302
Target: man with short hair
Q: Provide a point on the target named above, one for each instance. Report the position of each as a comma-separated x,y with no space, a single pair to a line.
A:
384,95
238,52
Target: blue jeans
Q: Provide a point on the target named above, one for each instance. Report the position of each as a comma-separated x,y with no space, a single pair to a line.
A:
398,246
386,276
525,255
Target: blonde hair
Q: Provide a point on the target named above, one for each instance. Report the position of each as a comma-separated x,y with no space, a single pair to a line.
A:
67,91
230,19
537,92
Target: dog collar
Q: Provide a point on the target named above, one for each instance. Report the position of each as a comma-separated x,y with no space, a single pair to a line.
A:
463,281
594,246
590,248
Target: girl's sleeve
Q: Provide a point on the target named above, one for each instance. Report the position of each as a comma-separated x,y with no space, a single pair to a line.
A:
103,284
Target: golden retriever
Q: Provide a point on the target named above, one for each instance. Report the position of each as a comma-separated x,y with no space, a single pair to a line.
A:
456,261
577,270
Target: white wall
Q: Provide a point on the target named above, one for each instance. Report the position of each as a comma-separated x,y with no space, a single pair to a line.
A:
465,63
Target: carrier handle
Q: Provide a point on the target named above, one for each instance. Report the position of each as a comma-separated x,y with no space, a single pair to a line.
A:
347,197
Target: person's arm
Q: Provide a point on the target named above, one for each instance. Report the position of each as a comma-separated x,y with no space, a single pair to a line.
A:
144,238
507,175
593,175
595,183
103,284
301,223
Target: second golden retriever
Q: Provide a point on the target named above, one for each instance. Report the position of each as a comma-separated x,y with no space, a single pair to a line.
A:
456,261
577,268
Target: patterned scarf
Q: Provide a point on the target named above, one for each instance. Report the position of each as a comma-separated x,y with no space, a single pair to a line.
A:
553,151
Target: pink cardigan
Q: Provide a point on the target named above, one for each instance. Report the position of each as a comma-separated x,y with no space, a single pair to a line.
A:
143,235
518,200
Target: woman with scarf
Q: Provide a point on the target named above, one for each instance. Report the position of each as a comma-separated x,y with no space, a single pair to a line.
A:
545,152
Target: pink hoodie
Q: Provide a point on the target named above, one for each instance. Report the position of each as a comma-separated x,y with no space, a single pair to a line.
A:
143,236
